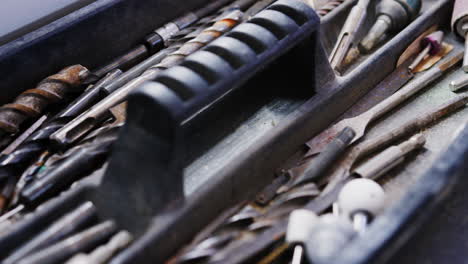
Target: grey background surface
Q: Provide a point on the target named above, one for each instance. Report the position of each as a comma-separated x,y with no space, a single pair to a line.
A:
18,17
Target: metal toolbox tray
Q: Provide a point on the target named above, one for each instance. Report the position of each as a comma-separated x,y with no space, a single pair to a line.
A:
195,145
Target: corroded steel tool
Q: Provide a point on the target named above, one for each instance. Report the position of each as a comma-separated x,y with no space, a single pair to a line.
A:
360,122
94,116
348,33
32,103
392,15
158,39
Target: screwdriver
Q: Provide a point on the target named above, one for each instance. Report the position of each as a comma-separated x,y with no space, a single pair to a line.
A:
82,124
432,44
460,26
348,33
158,39
392,15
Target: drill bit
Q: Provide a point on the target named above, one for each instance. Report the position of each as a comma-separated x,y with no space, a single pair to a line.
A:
71,166
16,161
103,253
432,44
392,15
32,147
460,26
328,7
39,140
348,33
88,120
61,228
32,102
21,138
158,39
83,241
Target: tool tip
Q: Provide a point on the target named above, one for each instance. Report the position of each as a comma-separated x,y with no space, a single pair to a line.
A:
465,67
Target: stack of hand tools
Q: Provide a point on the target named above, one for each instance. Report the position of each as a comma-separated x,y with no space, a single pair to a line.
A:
322,199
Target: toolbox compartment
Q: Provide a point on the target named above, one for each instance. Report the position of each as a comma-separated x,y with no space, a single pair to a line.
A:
168,180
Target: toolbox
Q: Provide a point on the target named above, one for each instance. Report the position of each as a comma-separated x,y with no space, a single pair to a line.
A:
208,135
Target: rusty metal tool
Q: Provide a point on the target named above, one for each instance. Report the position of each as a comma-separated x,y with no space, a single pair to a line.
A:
392,15
372,145
389,158
158,39
206,248
328,7
318,205
38,141
432,44
389,85
347,36
21,138
317,169
62,250
460,26
33,102
12,163
105,252
88,120
360,122
61,228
